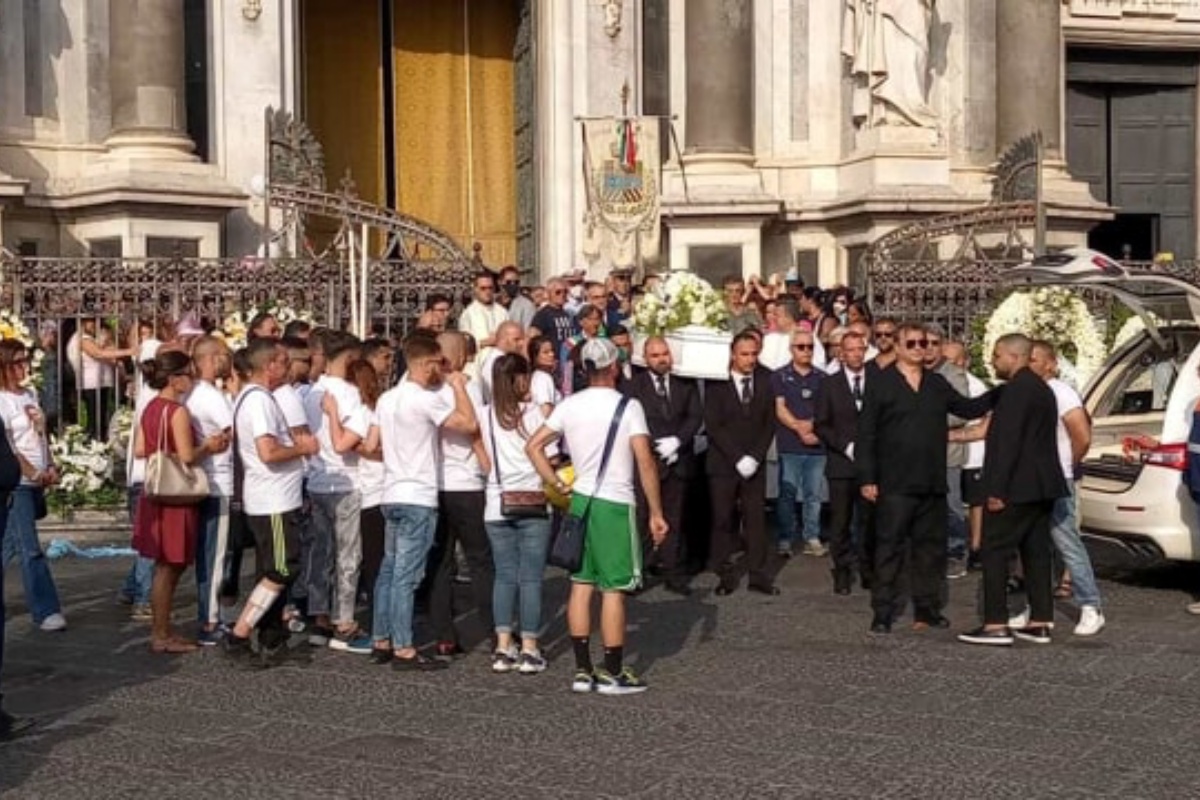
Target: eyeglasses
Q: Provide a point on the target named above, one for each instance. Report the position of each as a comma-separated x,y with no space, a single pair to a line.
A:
913,344
511,283
802,347
885,334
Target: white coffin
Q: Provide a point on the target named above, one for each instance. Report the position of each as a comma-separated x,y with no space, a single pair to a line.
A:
698,352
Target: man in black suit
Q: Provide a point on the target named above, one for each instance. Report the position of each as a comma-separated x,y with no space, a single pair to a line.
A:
1022,478
839,402
900,457
739,416
674,415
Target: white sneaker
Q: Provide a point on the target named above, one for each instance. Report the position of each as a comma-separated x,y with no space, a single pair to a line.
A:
1091,622
1193,608
1020,620
54,622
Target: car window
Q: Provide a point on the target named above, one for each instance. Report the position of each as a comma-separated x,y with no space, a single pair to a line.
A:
1146,384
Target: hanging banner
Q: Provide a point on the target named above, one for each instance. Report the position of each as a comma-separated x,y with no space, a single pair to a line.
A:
620,173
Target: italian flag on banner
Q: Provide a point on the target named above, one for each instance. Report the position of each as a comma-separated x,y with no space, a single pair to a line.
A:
627,146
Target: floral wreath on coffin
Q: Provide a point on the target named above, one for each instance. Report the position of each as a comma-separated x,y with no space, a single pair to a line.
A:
1057,316
13,327
235,327
683,300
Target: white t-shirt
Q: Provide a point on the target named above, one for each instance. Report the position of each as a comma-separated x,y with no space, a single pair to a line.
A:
212,413
975,450
776,350
484,377
330,471
266,488
583,420
292,406
370,471
1068,400
460,470
14,409
542,389
513,465
135,468
410,417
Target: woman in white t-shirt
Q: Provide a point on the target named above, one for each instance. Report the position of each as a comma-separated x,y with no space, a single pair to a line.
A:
519,543
25,425
542,388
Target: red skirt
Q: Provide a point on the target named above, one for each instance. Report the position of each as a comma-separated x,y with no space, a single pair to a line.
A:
166,534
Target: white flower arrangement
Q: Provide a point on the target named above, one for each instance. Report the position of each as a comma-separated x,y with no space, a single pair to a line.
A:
686,300
1059,317
120,434
235,328
1132,327
85,472
13,327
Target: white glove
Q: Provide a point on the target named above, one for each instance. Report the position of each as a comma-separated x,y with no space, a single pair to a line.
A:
850,451
746,467
670,460
667,446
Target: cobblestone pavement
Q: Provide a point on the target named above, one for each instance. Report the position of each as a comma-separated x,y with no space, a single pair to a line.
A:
785,697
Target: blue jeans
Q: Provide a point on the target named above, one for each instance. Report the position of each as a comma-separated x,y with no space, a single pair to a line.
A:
519,553
141,573
956,515
800,478
1064,530
210,558
21,541
408,535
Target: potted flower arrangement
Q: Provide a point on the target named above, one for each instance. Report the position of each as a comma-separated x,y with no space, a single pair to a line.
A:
85,468
693,319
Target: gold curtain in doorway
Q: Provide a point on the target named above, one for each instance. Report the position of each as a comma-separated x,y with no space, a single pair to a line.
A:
343,91
455,152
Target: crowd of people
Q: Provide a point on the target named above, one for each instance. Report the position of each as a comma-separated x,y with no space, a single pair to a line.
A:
366,475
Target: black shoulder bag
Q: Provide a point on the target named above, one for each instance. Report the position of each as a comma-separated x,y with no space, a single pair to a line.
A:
567,549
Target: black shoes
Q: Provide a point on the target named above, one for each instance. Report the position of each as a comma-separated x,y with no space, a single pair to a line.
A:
880,625
381,655
13,727
1000,637
769,589
679,587
418,663
1038,634
924,622
726,587
843,579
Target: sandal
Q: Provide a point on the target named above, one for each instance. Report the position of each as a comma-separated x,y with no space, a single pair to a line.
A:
173,646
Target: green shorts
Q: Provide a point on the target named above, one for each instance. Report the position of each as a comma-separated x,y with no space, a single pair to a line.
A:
612,552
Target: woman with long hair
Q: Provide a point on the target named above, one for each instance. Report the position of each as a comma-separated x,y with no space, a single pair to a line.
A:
168,533
519,544
544,361
26,426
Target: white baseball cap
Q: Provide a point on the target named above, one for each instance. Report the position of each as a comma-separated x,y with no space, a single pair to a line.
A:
599,354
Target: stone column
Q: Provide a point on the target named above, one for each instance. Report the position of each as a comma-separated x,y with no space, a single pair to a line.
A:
1029,56
146,75
720,80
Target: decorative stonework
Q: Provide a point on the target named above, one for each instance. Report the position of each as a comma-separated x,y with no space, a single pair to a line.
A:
1183,10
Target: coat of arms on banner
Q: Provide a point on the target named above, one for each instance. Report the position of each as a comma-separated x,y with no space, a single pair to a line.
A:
621,176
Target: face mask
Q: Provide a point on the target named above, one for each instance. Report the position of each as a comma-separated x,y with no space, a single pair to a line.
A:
511,289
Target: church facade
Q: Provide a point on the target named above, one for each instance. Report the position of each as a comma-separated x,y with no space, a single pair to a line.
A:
792,133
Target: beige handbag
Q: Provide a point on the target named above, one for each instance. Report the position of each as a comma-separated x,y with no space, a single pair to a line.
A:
169,481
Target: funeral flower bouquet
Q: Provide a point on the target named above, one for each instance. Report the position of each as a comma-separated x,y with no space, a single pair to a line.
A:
85,472
235,328
1058,316
685,300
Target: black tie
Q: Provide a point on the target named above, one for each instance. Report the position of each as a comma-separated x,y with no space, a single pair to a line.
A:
660,386
858,389
746,392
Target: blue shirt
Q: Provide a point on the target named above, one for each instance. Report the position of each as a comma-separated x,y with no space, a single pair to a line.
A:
799,393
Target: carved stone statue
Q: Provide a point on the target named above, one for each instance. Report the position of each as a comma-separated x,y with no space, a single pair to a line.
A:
612,17
887,45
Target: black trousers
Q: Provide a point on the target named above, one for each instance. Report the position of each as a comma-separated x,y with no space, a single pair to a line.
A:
372,527
277,552
739,523
1023,528
909,528
669,555
460,519
844,498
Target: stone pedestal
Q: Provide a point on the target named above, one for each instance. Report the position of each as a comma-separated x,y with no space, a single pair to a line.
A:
146,74
896,156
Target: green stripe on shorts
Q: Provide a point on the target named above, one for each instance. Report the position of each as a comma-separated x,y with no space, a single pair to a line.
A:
612,551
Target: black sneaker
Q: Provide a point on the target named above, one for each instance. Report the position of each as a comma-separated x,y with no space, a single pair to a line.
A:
1038,634
381,655
13,727
418,663
235,646
624,682
319,635
981,635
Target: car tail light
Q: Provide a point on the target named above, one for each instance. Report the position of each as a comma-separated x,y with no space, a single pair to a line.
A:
1171,456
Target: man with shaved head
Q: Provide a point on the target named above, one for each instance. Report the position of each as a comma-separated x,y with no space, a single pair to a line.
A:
1023,479
510,340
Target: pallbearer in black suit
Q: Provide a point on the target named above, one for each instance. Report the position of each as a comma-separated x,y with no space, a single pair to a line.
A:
1023,478
674,415
900,457
739,416
839,402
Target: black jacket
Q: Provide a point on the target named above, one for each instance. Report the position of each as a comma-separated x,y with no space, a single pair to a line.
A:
1021,463
682,419
902,433
735,430
836,421
10,467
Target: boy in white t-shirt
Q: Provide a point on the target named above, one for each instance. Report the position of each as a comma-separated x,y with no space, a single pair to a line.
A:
339,420
272,496
411,417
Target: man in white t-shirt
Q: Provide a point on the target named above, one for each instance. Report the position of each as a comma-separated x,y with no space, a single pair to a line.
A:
510,340
483,316
1074,435
271,493
411,418
461,502
334,554
212,413
612,548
